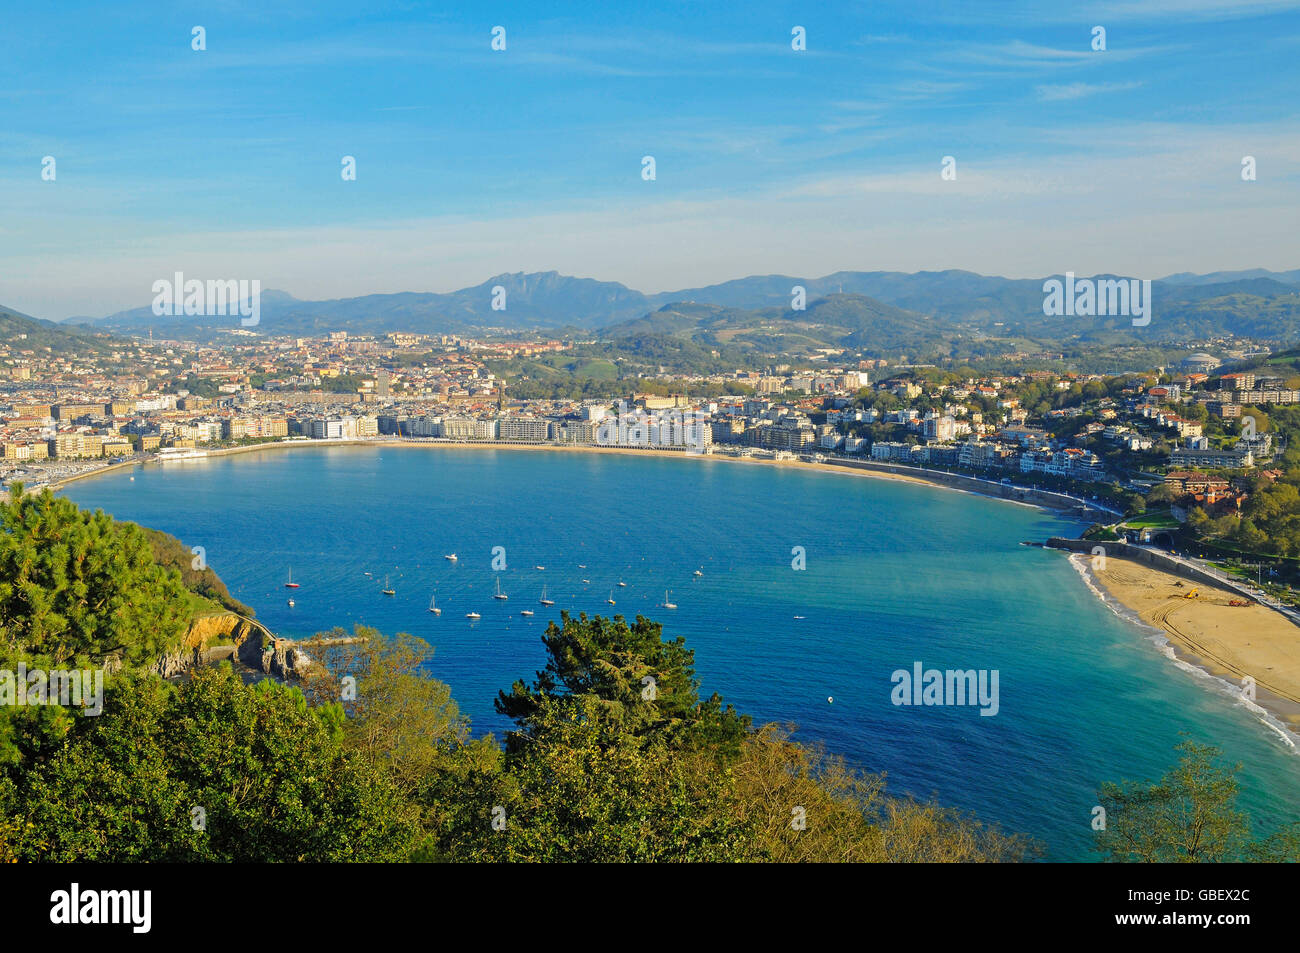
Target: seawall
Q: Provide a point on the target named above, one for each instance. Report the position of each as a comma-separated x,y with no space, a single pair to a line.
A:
1153,558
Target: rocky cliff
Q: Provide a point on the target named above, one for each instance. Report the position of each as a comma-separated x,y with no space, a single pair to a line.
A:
228,636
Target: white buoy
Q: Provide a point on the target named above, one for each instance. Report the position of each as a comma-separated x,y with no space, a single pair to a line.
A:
830,700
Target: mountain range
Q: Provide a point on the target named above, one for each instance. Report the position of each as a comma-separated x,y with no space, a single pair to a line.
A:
25,333
923,312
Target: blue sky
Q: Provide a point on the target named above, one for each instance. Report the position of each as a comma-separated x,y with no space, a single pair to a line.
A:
471,162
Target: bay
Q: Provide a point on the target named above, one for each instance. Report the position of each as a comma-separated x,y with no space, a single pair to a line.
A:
895,574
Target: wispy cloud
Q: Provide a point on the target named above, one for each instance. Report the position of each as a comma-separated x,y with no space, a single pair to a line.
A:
530,158
1068,91
1195,9
877,38
1020,54
1022,215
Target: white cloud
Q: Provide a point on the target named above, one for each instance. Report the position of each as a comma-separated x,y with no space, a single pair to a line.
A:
1055,93
1022,55
1194,9
1143,199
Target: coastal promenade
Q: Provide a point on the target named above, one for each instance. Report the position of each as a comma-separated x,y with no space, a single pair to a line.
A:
1183,566
827,462
1006,491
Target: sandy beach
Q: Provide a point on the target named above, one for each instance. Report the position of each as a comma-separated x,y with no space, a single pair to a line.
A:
1226,640
533,448
942,481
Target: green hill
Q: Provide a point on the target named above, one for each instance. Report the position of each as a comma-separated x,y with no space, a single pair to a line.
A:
23,332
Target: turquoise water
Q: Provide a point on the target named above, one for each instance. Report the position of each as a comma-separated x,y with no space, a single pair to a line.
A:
896,574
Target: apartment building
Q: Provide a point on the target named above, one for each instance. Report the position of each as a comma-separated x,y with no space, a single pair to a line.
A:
782,437
458,428
238,428
525,429
65,412
25,450
75,446
576,431
1209,457
325,429
940,429
39,411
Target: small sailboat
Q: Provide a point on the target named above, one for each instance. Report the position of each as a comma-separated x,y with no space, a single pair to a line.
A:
545,601
290,603
698,573
622,584
525,611
586,582
433,604
450,557
291,584
388,590
668,603
500,594
540,568
610,600
473,616
582,565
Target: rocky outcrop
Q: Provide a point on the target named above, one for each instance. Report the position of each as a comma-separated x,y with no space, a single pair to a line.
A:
248,645
227,636
283,659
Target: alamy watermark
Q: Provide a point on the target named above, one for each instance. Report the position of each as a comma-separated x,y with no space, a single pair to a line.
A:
656,428
932,686
131,908
1098,297
224,298
80,688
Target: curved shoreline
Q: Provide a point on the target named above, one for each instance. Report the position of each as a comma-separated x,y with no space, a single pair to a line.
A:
1280,711
1148,598
1024,496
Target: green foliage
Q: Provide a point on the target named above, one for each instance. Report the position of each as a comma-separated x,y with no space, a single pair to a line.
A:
78,587
602,770
45,338
170,553
1188,816
581,788
397,719
1160,495
272,781
845,814
633,676
1269,521
197,386
615,756
341,383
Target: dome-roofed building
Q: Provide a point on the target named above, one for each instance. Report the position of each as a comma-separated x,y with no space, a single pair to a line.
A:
1200,363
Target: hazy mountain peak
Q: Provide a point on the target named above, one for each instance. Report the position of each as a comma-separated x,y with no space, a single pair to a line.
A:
549,299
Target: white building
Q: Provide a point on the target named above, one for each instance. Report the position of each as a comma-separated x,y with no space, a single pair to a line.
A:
330,428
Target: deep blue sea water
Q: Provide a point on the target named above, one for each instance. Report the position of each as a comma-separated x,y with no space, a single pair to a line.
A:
896,574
